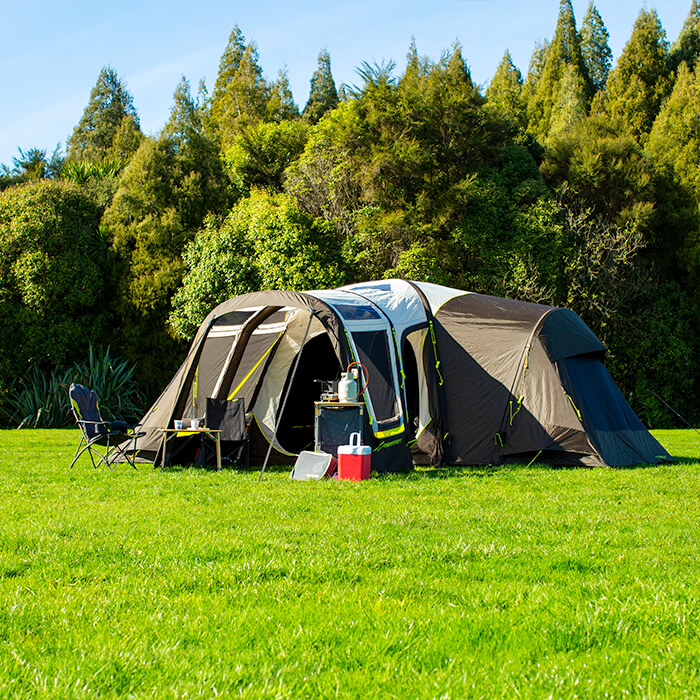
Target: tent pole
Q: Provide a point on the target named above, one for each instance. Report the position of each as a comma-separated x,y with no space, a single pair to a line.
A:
286,395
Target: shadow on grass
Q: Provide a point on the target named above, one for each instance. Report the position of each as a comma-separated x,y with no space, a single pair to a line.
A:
685,460
449,471
204,468
481,471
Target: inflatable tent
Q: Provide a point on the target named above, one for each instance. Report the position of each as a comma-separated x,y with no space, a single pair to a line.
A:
454,377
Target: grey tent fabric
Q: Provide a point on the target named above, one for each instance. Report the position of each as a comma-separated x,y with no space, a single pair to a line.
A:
455,377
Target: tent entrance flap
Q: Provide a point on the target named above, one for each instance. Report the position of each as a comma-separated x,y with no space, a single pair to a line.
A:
615,430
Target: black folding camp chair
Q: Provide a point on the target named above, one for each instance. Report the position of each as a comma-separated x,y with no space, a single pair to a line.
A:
230,418
114,436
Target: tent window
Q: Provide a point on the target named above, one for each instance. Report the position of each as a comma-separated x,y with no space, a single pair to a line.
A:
379,287
373,348
234,317
230,324
351,312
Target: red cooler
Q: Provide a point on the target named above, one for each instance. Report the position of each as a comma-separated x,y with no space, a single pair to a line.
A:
354,460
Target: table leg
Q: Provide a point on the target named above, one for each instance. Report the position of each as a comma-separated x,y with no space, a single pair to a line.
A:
217,439
163,448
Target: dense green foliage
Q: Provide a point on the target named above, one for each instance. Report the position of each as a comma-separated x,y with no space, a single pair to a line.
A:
261,152
264,243
53,284
490,582
577,186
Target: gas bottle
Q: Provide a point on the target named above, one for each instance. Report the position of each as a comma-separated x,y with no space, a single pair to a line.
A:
347,388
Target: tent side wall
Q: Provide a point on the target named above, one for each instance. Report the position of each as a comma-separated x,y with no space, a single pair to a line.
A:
544,421
614,431
482,342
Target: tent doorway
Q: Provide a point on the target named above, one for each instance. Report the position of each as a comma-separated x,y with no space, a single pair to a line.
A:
318,361
410,368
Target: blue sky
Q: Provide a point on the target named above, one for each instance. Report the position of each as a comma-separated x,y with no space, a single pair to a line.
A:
51,52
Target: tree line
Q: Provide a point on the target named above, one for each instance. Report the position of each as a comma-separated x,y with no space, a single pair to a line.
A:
577,184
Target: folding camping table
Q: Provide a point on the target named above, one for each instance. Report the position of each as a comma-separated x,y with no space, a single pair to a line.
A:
170,433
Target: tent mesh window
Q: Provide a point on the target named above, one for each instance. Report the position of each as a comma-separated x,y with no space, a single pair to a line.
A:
373,348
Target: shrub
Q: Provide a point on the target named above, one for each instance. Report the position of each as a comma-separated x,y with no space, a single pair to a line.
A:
40,399
52,277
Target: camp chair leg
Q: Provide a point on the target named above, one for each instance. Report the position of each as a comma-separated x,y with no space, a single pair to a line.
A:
130,460
78,452
121,450
92,459
90,452
102,457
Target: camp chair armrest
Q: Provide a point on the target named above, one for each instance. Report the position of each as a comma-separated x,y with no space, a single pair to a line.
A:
92,422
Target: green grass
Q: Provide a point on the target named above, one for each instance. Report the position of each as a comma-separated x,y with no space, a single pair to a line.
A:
488,582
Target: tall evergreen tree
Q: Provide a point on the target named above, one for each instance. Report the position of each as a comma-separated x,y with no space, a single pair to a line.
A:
185,119
504,94
241,95
458,70
566,42
416,66
641,79
569,105
564,50
674,146
169,187
230,61
323,95
674,142
109,103
281,105
687,46
595,48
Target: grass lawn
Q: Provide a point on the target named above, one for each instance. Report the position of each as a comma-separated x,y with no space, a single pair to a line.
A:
484,582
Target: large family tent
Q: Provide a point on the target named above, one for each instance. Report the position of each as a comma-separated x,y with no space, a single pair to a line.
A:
454,377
